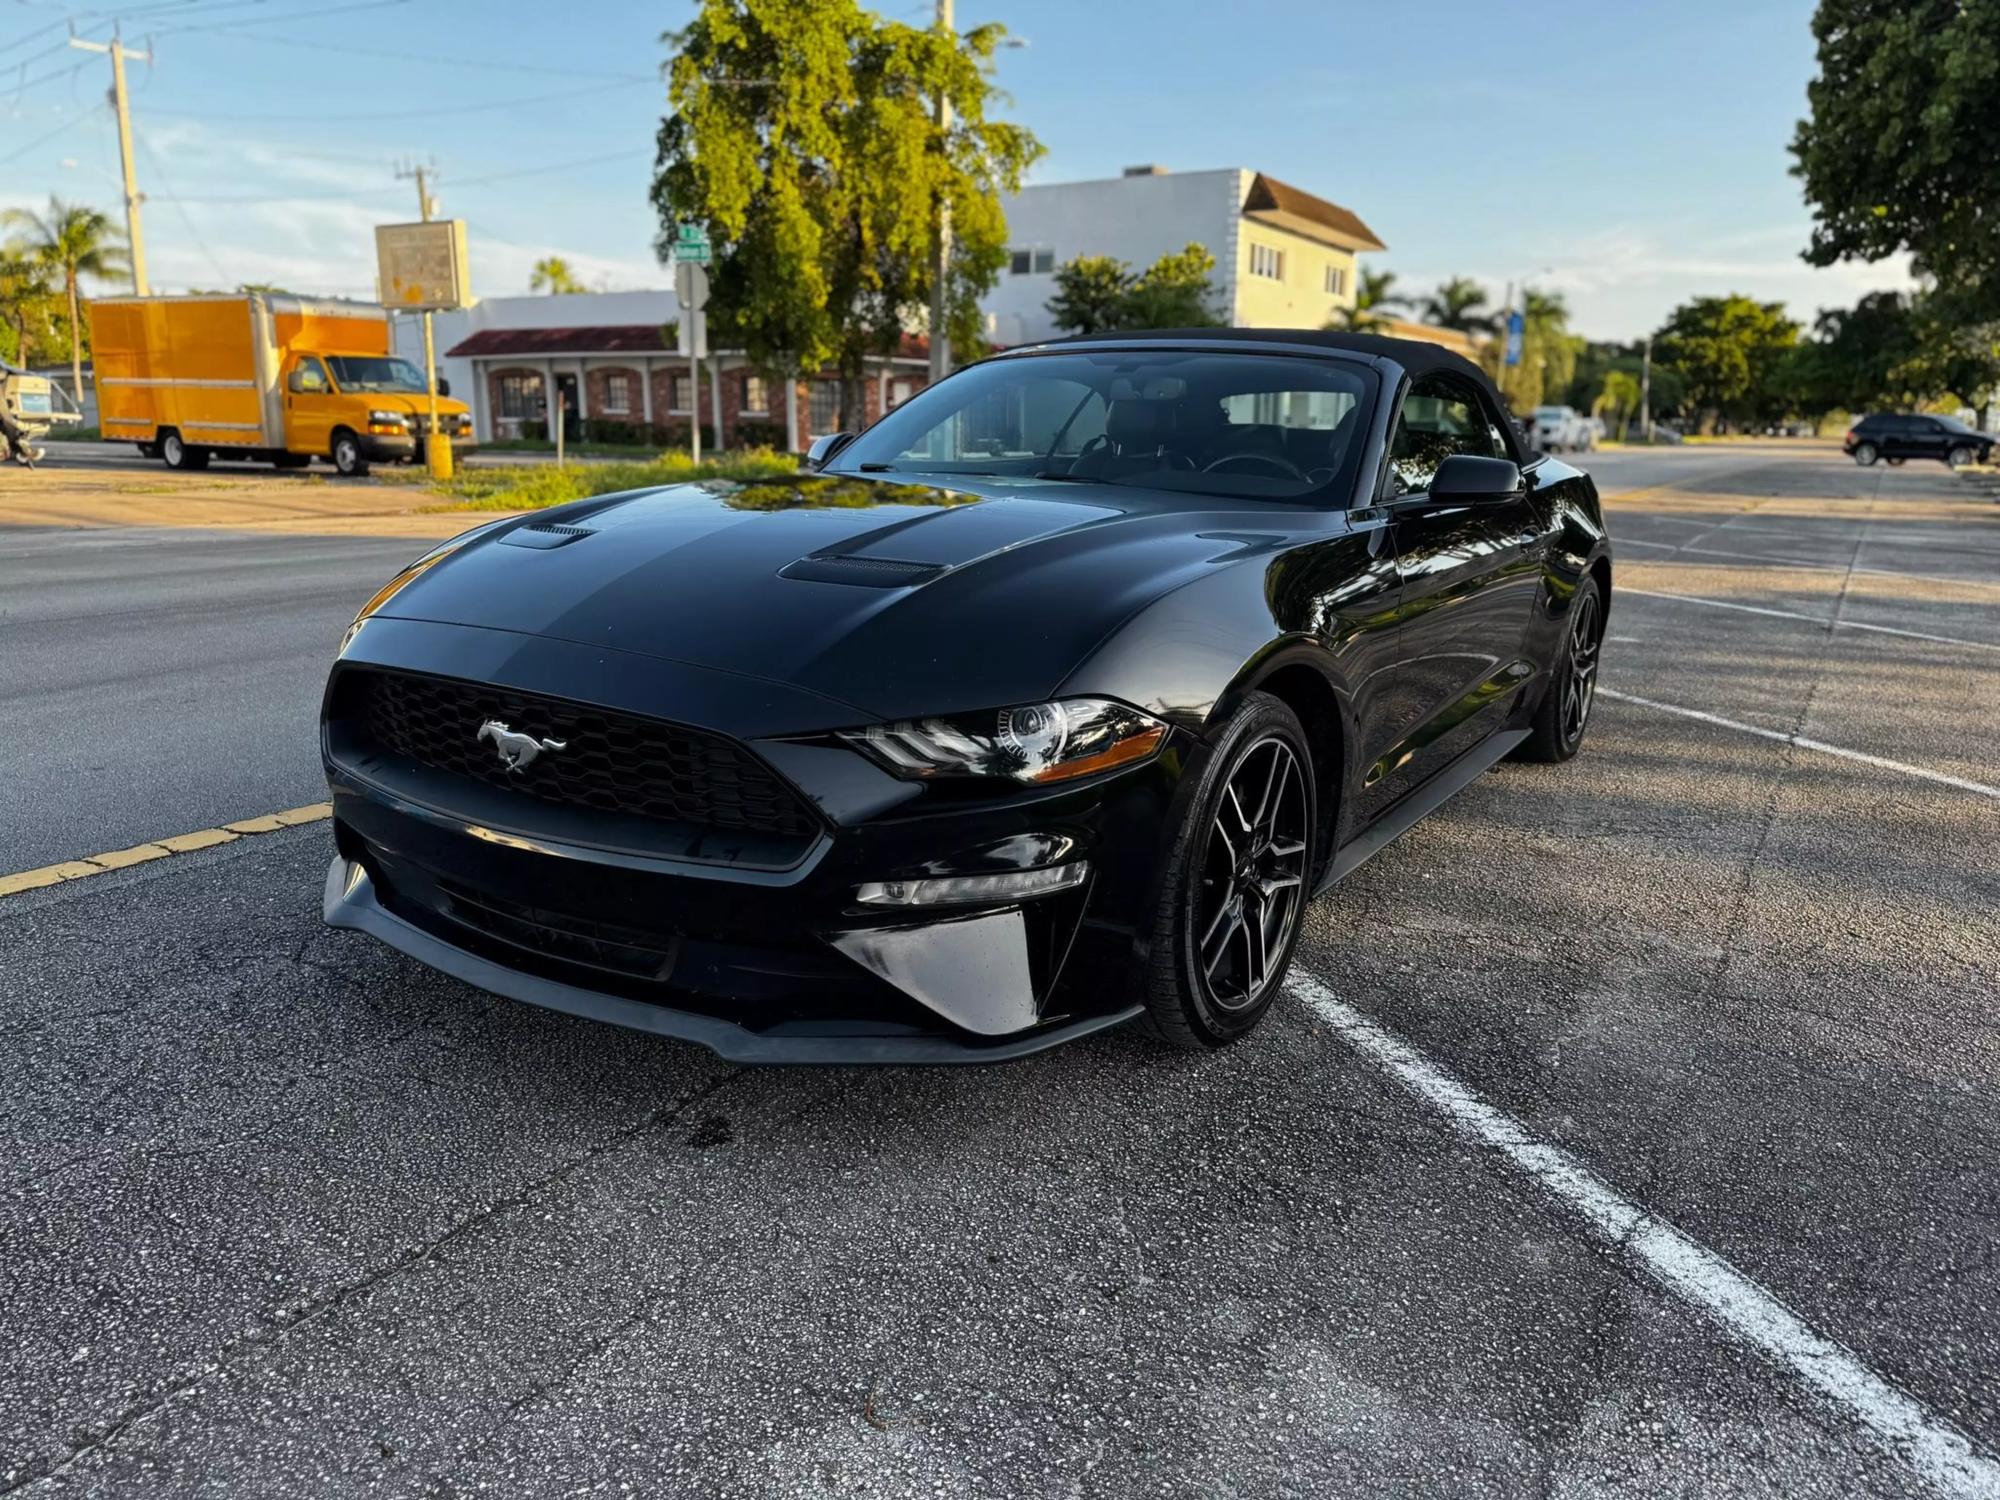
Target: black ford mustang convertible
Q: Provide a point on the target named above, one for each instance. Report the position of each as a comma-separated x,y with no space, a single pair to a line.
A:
1046,703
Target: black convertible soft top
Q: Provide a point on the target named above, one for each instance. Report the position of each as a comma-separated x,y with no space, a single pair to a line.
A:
1416,356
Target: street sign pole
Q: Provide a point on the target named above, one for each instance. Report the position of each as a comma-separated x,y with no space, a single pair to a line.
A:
691,291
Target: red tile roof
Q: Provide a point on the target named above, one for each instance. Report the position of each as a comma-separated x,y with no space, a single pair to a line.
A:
617,338
1283,206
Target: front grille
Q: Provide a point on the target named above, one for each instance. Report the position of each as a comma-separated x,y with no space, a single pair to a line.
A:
610,762
601,945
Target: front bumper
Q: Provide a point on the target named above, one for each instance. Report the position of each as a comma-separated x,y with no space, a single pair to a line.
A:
760,957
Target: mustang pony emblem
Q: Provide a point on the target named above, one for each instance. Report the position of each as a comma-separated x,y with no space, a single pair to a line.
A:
517,751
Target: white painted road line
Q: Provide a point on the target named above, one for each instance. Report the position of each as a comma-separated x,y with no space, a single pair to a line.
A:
1878,761
1792,614
1947,1460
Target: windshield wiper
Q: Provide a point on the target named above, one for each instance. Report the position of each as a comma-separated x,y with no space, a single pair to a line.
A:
878,468
1068,478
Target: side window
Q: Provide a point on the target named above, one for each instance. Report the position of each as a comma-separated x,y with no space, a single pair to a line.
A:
1440,417
309,377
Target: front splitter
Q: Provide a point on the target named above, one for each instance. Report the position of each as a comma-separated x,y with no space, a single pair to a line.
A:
350,902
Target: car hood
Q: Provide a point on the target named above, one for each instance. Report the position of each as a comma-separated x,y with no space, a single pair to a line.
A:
893,598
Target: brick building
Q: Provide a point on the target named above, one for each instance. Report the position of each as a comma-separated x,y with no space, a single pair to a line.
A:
611,357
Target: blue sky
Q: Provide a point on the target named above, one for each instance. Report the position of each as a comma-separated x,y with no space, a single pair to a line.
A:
1630,155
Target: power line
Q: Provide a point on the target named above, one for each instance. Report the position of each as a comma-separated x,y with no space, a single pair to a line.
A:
412,114
39,140
437,61
374,192
167,187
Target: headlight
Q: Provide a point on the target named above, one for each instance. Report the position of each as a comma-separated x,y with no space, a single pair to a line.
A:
387,418
1036,743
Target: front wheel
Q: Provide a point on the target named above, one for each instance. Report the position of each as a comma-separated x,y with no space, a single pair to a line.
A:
1237,882
1865,454
1557,731
1894,463
1960,457
347,455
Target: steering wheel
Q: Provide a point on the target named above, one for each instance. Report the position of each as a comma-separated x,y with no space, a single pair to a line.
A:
1284,466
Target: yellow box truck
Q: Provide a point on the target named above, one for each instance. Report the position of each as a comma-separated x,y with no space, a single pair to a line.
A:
260,375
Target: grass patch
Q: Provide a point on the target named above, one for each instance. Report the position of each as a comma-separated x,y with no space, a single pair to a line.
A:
540,485
60,433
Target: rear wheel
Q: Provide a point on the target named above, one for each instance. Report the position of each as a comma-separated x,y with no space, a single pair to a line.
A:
177,453
1557,731
1866,454
1960,456
1237,882
347,455
1894,463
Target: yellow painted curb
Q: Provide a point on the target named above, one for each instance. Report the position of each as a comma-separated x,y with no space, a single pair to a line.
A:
179,843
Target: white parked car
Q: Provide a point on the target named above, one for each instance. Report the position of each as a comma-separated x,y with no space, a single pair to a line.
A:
1564,429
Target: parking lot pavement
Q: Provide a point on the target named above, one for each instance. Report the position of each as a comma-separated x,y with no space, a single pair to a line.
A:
285,1214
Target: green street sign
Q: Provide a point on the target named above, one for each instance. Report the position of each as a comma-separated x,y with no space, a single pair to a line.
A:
692,253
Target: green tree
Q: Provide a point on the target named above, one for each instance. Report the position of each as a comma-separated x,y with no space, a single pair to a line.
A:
1897,152
1548,353
1090,294
552,274
1620,397
72,242
1460,304
1374,293
24,294
806,139
1095,293
1729,351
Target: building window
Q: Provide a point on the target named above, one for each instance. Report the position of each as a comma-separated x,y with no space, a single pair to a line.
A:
900,390
520,396
823,407
1031,262
756,396
617,395
1336,281
1267,262
679,389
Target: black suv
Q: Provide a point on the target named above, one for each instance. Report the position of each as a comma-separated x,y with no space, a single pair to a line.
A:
1897,438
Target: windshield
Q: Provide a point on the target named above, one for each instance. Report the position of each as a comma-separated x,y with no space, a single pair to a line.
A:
1254,426
368,372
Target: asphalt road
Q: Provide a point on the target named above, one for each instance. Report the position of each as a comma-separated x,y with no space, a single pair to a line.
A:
284,1214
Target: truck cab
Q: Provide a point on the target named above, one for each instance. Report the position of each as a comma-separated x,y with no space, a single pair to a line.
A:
361,408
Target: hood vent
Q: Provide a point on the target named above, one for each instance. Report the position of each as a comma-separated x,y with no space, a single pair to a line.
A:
864,572
545,534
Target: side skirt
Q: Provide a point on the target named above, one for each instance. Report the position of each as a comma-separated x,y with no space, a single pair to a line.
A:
1419,804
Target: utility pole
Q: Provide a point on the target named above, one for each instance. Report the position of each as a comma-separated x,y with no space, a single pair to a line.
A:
437,447
122,102
1646,390
941,245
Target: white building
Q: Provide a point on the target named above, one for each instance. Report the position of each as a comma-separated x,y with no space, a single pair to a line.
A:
1284,258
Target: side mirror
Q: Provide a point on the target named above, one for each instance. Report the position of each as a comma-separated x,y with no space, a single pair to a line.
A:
1466,477
444,386
824,448
296,383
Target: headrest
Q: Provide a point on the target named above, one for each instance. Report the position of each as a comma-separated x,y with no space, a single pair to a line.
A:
1139,424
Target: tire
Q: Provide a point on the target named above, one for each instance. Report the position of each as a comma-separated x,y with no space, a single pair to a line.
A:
177,454
1960,456
1894,463
1564,712
1203,988
347,456
1865,454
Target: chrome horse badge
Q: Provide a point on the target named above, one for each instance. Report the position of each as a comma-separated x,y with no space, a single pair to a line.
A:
517,751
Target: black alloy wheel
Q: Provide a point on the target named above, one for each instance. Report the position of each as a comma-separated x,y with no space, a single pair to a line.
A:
1556,733
1237,884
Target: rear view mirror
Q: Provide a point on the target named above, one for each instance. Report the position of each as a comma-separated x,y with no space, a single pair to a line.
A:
1464,476
296,384
823,448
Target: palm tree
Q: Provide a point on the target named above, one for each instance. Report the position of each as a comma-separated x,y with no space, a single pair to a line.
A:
1459,304
1373,293
78,242
552,274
